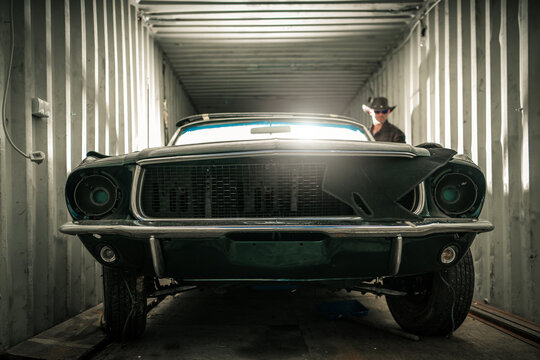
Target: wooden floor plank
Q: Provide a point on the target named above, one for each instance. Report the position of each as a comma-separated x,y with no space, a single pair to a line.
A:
74,339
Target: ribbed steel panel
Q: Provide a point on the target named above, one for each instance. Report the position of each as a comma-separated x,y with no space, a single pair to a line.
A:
106,80
471,84
276,56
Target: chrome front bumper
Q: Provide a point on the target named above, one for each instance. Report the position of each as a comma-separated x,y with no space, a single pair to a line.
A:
138,229
152,231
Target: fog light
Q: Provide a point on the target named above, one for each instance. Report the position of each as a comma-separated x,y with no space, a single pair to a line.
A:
107,254
449,254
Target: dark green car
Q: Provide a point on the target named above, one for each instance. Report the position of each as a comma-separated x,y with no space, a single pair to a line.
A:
279,198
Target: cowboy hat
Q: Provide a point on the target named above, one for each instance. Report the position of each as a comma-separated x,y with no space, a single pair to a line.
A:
378,103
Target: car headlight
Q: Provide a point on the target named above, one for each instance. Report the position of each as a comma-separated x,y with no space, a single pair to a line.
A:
455,193
95,195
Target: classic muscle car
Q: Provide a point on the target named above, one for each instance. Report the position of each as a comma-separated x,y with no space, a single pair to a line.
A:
278,198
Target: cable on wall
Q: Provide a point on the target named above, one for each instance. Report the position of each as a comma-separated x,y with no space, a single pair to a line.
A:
35,156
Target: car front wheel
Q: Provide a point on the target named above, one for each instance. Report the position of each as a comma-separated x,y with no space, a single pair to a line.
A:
437,303
124,301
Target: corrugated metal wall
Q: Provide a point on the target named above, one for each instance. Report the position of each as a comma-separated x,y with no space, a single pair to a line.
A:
106,81
466,85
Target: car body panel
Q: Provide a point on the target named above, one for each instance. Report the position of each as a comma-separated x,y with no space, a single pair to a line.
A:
386,240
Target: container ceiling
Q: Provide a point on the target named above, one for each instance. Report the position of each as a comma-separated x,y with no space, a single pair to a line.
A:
303,56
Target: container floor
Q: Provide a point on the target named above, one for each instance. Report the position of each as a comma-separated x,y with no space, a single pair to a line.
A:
254,324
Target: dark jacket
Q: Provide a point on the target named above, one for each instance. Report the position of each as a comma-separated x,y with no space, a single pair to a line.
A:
388,132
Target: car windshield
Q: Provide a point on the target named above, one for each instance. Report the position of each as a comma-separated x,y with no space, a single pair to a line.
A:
269,129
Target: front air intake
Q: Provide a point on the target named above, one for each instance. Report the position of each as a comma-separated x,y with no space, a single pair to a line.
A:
239,188
414,199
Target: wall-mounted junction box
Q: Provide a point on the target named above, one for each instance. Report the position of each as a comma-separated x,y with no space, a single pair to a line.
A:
40,108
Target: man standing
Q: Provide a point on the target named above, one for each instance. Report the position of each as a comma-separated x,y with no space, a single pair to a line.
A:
381,129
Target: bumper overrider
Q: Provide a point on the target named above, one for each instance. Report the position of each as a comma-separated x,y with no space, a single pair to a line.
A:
277,249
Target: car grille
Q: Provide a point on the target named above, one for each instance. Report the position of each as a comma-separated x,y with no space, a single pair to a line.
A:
247,188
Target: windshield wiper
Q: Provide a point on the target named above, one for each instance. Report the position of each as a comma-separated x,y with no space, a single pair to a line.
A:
271,129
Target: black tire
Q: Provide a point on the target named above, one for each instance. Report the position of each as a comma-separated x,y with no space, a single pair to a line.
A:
124,302
442,307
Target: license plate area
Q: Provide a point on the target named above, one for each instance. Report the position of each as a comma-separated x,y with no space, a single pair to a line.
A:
278,250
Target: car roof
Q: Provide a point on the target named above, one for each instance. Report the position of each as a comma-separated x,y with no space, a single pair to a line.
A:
260,115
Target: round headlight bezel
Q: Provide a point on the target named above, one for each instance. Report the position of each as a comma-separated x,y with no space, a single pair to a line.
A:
463,190
88,195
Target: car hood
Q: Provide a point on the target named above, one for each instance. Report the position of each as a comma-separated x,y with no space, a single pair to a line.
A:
382,148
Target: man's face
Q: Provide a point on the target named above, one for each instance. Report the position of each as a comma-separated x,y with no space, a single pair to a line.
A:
379,116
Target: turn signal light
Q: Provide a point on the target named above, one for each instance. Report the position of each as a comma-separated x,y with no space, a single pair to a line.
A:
108,254
449,254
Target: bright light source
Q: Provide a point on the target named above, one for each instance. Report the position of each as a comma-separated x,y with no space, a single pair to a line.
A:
244,131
